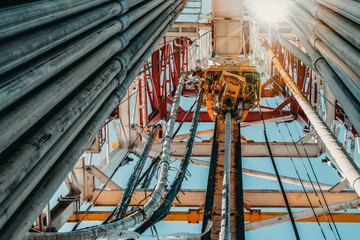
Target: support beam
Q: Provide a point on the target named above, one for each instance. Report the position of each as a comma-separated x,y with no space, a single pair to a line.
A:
186,29
249,149
302,214
103,178
254,198
196,216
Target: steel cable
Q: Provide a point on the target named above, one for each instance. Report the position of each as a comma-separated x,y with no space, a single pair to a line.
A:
279,180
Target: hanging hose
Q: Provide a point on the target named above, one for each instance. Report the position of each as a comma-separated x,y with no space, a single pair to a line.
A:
164,208
120,210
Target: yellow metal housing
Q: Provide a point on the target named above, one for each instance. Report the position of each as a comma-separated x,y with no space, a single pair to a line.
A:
234,88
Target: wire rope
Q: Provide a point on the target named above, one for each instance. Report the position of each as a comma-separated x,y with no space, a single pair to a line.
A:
314,173
279,180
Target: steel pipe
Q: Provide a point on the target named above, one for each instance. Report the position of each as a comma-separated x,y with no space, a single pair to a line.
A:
341,47
17,85
349,77
17,170
302,214
127,36
225,203
302,56
292,48
14,87
14,124
30,209
25,17
136,217
342,158
121,91
22,118
284,179
348,8
348,102
345,28
24,48
19,192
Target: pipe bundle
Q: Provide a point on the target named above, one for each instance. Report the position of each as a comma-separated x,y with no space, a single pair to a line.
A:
65,65
330,32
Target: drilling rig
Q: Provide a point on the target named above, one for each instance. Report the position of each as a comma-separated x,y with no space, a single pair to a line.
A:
121,118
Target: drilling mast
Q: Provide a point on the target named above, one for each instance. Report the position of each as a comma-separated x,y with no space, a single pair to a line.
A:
158,111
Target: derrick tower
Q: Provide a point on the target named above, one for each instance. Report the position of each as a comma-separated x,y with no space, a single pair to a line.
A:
220,119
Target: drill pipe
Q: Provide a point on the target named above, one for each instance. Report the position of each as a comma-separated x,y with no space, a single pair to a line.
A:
18,84
17,169
134,218
225,203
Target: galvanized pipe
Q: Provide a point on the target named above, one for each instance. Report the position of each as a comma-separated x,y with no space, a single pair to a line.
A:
225,203
344,27
342,158
121,91
340,90
348,8
26,47
341,47
20,119
30,209
349,77
302,214
17,169
101,86
15,124
136,217
24,17
20,83
14,87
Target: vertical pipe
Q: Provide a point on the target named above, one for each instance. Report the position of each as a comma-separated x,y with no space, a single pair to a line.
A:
225,204
342,158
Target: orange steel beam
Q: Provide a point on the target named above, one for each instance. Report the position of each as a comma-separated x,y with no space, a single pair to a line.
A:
195,216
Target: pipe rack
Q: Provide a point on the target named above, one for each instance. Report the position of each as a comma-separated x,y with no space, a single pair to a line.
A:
78,55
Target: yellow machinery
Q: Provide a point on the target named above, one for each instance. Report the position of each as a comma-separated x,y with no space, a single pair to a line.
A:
234,88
